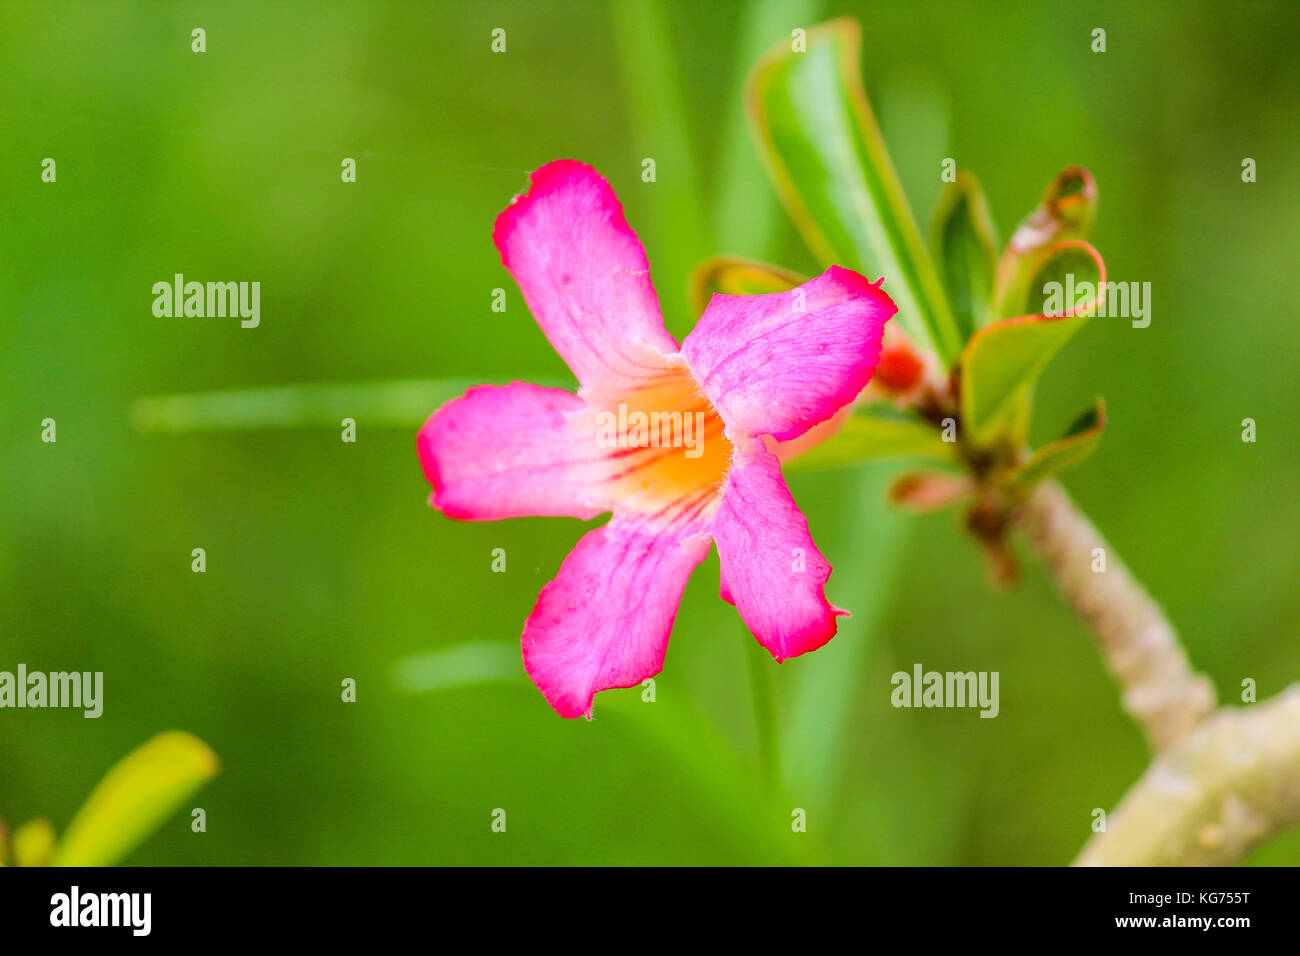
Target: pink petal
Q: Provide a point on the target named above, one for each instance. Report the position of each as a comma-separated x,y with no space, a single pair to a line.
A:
584,275
511,451
604,621
777,364
771,570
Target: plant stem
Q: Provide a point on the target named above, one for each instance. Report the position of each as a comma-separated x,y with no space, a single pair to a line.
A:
1160,690
1231,784
1222,782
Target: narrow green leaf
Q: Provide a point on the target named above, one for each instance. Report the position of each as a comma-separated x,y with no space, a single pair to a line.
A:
745,211
463,665
141,791
732,275
1002,361
727,784
827,686
876,431
828,162
1078,442
401,404
965,243
765,717
1066,211
730,788
660,127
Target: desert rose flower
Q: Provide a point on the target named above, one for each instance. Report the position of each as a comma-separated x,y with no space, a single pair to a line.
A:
676,441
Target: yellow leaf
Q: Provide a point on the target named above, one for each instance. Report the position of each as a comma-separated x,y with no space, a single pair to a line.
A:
134,798
33,842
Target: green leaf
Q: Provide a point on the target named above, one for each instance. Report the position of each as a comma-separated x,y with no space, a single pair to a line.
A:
134,798
965,243
825,156
746,214
33,842
827,687
732,275
1066,211
1002,361
707,766
660,129
1078,442
876,431
730,788
400,404
463,665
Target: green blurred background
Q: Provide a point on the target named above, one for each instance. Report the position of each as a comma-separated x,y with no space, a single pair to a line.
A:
324,561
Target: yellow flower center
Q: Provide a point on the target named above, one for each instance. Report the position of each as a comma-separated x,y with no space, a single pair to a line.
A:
664,444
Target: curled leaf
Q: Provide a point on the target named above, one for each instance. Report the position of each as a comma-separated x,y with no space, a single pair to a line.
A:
1066,211
134,798
733,275
1002,361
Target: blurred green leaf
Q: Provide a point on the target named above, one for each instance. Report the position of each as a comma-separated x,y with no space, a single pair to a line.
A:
33,842
913,107
965,243
828,162
402,404
141,791
765,719
463,665
710,766
1078,442
745,210
1066,211
731,787
828,685
660,128
876,431
1002,361
732,275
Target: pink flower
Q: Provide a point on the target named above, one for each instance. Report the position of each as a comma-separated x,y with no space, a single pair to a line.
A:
694,466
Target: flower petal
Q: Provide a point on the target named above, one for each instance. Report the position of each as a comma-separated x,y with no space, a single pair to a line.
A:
771,570
584,275
512,451
778,364
604,621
